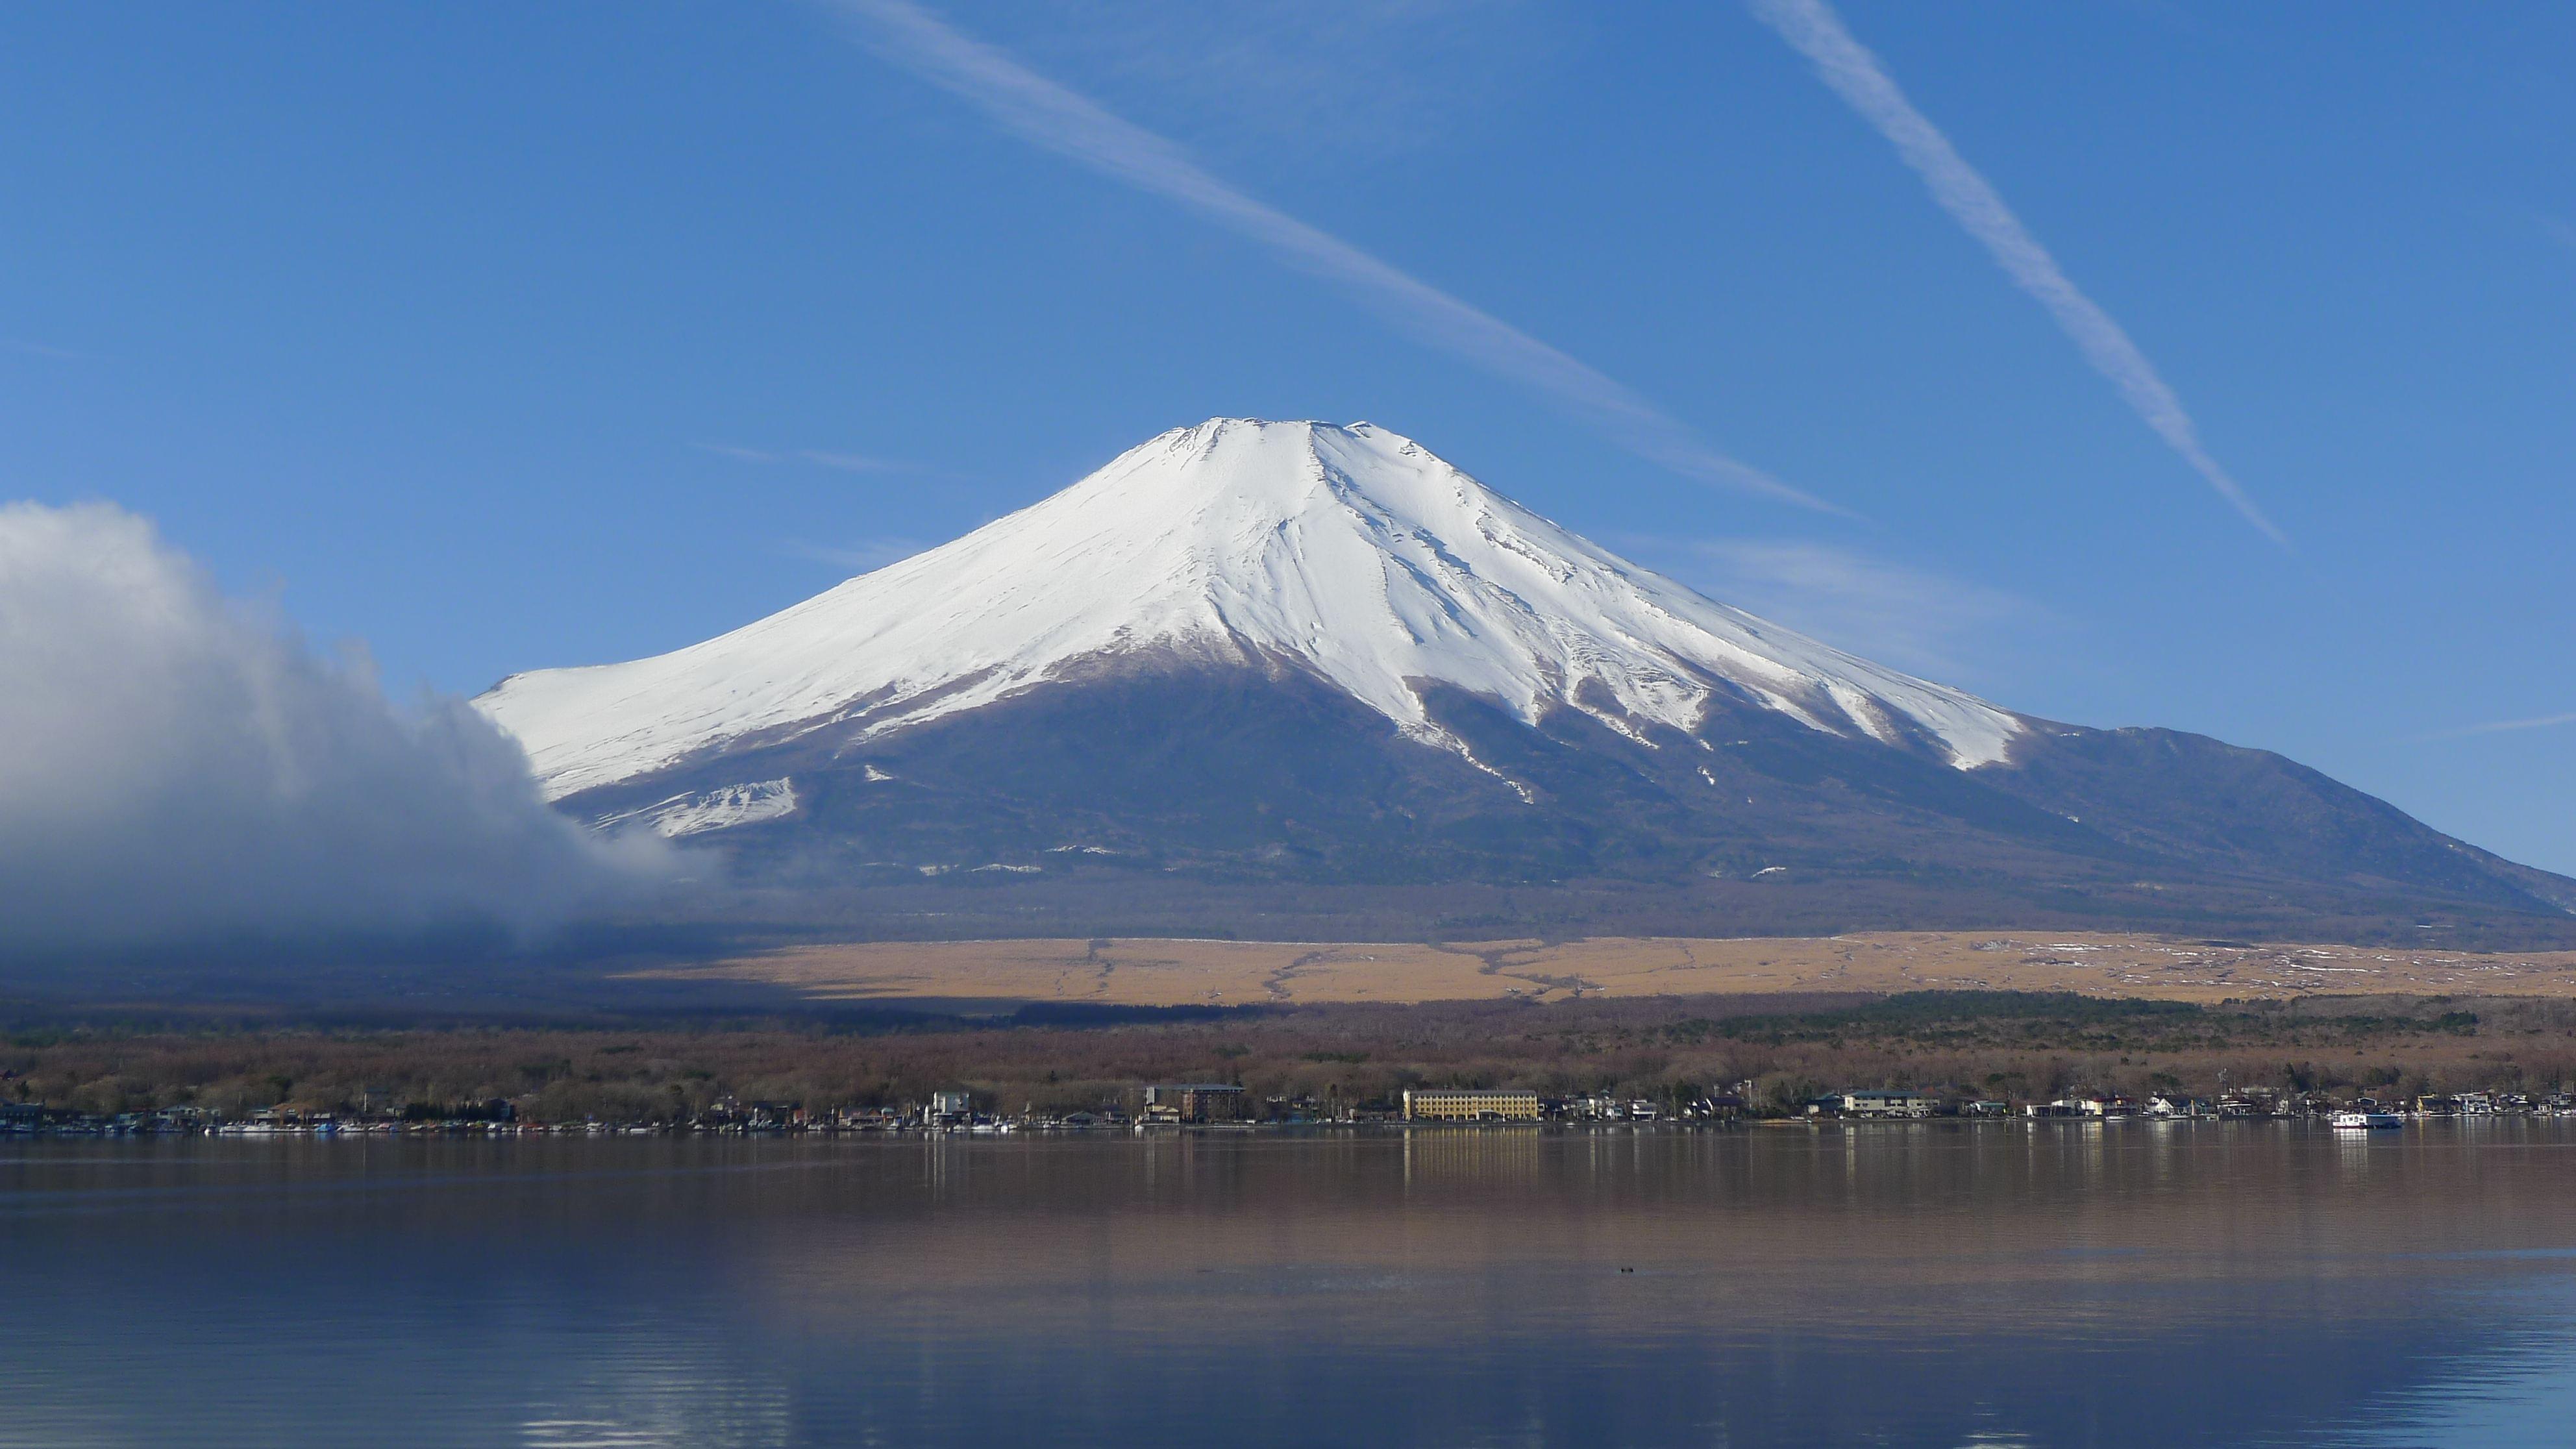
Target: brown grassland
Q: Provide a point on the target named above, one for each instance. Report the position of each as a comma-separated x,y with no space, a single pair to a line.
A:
1239,973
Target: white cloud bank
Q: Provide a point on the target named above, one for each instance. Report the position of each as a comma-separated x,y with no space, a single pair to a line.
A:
1048,115
1813,29
176,768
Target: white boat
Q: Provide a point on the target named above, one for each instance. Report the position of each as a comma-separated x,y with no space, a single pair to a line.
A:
2365,1121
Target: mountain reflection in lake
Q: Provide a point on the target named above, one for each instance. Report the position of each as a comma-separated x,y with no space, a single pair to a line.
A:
1933,1284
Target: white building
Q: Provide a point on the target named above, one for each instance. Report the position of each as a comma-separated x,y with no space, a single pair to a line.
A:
1889,1103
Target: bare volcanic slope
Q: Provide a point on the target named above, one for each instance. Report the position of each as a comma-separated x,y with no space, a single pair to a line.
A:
1293,654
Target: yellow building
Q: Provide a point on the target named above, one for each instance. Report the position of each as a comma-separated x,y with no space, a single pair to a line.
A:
1442,1104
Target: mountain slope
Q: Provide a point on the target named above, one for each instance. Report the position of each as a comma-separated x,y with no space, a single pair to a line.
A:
1300,654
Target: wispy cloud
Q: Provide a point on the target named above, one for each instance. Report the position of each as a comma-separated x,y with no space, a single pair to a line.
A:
845,462
40,349
1050,116
1312,83
1813,29
2497,727
866,556
1926,622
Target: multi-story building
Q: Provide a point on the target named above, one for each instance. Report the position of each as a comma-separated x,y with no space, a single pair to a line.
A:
1195,1102
1449,1104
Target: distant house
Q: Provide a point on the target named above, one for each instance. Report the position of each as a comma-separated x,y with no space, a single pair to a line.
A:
1596,1107
1887,1103
2092,1104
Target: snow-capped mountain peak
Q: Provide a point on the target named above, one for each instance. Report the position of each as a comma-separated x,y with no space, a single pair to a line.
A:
1350,553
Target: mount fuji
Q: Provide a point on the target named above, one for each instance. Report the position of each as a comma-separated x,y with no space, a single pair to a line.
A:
1248,658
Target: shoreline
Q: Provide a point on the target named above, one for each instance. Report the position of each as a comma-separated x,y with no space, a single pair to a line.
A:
1662,1057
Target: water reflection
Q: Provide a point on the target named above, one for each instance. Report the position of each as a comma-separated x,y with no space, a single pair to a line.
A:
1908,1283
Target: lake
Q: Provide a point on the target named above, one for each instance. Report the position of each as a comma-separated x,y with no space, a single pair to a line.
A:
1918,1284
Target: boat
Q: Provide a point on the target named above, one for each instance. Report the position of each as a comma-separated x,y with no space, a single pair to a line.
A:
2363,1121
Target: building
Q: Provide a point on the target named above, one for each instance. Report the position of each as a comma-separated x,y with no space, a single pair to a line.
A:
1449,1104
1718,1104
1893,1103
2095,1104
1196,1102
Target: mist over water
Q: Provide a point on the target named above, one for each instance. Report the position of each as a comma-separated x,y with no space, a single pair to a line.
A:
1934,1284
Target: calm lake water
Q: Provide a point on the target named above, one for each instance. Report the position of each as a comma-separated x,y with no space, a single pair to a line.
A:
1924,1284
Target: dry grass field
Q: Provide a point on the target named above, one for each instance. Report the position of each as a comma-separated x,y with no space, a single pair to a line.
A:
1240,973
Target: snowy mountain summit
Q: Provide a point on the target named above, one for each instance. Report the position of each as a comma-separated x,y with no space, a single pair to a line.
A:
1259,676
1352,555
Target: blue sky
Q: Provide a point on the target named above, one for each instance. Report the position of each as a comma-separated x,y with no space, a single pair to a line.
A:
503,337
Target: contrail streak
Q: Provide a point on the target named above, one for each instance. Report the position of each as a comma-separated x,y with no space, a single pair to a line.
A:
2497,727
1812,28
1046,114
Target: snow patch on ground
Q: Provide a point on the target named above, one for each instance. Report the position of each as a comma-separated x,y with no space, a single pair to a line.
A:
711,810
